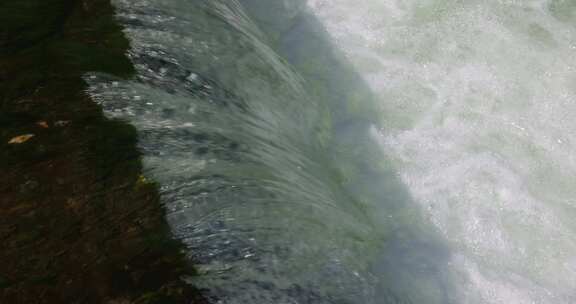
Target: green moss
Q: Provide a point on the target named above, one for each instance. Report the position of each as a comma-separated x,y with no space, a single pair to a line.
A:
29,22
86,57
5,282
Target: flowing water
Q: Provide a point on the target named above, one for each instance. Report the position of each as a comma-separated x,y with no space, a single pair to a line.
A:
360,151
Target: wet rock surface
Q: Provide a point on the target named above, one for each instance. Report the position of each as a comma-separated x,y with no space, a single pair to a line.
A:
78,221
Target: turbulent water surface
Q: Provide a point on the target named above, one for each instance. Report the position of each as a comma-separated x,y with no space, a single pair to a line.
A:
360,151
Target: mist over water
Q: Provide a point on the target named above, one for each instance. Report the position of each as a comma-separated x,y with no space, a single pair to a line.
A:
358,152
478,101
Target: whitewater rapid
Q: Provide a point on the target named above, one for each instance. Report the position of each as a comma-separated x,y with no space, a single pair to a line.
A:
478,100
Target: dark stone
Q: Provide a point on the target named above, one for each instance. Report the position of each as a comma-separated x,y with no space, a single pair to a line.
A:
76,223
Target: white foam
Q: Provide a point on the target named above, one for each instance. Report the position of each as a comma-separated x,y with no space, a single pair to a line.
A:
479,100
